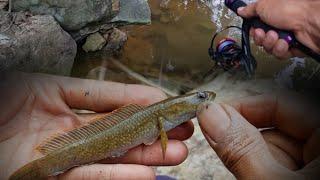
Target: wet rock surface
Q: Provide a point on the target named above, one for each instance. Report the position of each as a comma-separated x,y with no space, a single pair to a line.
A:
82,19
115,40
35,44
94,42
3,4
71,14
133,12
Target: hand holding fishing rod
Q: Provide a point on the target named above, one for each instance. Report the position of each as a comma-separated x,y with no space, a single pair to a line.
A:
288,36
291,15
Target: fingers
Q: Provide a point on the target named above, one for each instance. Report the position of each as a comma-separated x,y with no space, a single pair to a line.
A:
292,114
259,36
152,155
281,49
248,11
285,149
270,40
104,171
311,170
182,132
101,96
238,144
271,43
312,147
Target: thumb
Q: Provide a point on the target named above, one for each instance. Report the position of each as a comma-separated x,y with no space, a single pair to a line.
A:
248,11
239,145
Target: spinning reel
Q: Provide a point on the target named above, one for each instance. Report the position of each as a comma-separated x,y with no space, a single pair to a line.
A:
230,55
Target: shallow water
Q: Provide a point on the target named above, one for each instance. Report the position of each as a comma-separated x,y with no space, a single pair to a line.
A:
173,48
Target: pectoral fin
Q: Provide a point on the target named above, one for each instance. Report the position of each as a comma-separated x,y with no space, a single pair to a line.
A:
163,136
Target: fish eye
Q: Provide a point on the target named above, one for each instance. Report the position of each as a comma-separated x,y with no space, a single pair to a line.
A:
202,95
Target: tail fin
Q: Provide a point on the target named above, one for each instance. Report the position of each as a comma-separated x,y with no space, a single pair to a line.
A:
28,172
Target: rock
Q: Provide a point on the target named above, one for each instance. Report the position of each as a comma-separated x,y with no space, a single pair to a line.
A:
35,44
71,14
116,39
94,42
3,4
133,12
84,32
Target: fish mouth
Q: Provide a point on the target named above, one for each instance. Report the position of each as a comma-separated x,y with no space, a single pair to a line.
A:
211,95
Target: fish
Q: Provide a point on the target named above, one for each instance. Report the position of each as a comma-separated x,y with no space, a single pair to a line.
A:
112,135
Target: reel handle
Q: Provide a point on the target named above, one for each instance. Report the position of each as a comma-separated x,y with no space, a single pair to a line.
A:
257,23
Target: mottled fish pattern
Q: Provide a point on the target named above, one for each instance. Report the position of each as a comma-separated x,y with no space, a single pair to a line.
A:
112,135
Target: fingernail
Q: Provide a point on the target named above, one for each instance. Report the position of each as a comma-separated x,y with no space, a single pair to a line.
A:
240,9
214,121
281,47
273,35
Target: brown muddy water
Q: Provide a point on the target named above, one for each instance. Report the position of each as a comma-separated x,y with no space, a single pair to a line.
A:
173,49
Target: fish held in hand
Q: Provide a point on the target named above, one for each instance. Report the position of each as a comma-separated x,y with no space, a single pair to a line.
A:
112,135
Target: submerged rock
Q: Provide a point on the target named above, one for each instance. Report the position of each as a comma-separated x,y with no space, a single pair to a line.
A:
116,39
94,42
35,44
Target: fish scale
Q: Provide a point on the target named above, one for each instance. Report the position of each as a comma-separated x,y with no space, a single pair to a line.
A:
112,135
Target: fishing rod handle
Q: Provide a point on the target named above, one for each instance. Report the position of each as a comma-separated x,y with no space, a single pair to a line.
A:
257,23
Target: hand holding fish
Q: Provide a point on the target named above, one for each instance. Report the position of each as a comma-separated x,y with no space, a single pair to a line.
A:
288,147
35,107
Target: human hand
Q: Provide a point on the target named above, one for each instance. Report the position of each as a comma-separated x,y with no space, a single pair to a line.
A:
298,16
34,107
288,149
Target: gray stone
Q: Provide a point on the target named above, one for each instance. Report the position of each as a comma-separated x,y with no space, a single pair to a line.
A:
35,44
74,15
71,14
133,11
116,39
94,42
3,4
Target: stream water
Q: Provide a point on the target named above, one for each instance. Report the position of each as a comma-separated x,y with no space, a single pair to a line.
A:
173,49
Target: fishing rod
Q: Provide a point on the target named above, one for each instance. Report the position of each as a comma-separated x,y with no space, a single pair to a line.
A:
230,55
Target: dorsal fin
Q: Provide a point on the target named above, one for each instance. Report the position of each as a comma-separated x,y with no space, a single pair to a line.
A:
93,128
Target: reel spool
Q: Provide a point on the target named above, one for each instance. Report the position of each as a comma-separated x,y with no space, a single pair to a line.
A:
228,54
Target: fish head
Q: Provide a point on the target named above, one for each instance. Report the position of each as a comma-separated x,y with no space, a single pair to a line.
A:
183,108
198,98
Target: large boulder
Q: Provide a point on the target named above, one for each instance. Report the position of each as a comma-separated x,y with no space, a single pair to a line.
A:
71,14
74,15
35,44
